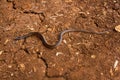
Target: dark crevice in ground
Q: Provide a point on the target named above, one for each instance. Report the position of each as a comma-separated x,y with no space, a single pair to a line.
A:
33,12
26,50
28,12
46,72
40,14
45,62
13,3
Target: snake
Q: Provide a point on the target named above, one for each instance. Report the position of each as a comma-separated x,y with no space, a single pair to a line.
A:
60,36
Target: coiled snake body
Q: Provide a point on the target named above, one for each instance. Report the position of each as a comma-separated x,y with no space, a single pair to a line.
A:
45,43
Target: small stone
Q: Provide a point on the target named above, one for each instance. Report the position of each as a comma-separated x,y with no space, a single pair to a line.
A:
117,28
111,72
49,29
64,41
22,66
58,53
6,41
93,56
1,52
34,69
114,1
30,27
9,66
101,73
11,74
77,53
116,65
46,26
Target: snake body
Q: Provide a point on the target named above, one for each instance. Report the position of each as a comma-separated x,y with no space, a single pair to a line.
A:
45,43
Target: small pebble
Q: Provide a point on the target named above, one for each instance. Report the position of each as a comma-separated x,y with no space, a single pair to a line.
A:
1,52
101,73
77,53
34,69
30,27
114,1
64,41
58,53
111,72
117,28
93,56
22,66
9,66
12,74
116,65
49,29
6,41
46,26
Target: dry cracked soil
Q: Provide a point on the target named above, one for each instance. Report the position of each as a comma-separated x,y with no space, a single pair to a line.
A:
80,56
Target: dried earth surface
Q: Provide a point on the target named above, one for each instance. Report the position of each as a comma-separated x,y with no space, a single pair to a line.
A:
80,56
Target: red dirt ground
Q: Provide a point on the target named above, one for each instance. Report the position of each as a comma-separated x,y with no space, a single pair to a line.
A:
80,56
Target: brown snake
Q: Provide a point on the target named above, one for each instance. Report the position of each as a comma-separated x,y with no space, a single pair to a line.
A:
45,43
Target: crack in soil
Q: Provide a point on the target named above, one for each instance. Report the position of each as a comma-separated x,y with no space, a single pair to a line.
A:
40,14
32,12
13,3
46,72
26,50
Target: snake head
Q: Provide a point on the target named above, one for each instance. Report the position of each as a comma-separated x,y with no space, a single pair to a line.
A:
20,37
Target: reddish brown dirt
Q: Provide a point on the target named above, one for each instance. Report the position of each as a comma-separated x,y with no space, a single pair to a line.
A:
80,56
